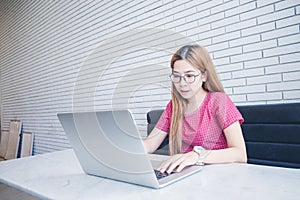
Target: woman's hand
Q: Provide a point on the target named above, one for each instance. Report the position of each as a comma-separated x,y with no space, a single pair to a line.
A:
178,162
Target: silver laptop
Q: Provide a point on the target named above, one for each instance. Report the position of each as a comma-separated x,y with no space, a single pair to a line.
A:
107,144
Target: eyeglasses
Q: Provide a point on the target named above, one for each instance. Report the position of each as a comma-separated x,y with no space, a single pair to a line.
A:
189,78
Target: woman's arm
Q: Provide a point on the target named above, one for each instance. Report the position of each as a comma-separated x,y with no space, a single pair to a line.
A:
236,152
154,139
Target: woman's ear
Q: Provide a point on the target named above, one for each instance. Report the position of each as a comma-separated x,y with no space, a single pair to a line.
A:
204,76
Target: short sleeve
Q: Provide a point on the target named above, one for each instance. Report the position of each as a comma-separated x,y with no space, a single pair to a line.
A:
164,121
226,112
232,114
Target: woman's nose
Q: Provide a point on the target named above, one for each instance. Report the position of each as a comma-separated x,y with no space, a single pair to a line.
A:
182,81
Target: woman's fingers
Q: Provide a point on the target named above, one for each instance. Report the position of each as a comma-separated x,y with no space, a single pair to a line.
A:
166,165
186,160
178,162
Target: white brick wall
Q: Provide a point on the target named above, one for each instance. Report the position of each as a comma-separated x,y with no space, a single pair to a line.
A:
254,45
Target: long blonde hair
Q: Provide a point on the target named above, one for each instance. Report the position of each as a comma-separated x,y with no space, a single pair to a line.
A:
199,58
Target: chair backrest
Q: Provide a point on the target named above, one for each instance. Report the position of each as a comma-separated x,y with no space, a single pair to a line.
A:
152,118
271,132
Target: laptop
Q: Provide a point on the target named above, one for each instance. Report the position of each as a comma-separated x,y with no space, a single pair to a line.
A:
108,144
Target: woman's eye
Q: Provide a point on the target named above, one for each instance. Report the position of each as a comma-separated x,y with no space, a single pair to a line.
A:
189,75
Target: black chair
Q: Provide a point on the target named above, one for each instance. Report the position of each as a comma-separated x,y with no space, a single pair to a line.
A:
272,134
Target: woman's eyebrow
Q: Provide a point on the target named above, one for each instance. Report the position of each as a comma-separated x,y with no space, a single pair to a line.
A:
189,71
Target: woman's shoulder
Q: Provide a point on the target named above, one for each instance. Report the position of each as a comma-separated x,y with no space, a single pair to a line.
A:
169,104
168,108
217,98
217,95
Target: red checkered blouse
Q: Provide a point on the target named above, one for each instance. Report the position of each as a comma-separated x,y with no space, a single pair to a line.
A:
205,126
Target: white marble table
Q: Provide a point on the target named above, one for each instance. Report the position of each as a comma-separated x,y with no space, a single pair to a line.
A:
58,175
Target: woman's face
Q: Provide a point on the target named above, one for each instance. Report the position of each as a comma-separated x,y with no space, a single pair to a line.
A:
188,90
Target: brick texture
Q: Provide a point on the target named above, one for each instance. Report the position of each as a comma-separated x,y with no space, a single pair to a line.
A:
254,45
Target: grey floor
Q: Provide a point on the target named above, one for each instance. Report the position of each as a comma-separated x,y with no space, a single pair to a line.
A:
9,193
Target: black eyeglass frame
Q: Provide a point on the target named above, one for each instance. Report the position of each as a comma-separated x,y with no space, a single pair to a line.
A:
184,77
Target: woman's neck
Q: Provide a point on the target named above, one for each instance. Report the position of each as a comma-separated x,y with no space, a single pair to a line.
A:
195,102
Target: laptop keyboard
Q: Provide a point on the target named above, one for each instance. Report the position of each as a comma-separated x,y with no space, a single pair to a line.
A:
160,175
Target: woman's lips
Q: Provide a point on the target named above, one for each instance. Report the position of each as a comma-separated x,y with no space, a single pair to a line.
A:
184,91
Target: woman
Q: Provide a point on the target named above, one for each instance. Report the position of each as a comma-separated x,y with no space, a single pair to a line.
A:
202,122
